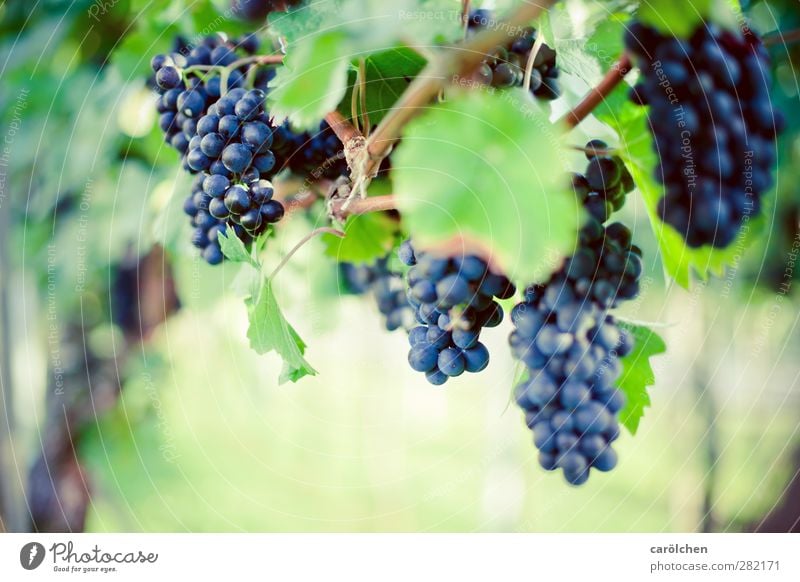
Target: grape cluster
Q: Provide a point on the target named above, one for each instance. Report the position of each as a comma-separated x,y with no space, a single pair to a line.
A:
603,187
568,342
713,127
454,298
206,226
319,154
570,400
505,66
232,149
387,287
224,139
185,97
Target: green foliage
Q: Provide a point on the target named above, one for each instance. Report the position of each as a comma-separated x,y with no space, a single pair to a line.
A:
637,374
677,18
497,180
320,48
388,73
234,250
312,81
367,237
269,331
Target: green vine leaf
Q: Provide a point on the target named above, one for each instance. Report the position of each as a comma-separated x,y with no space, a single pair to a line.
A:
676,18
637,374
499,182
269,331
322,45
234,250
389,73
367,237
312,81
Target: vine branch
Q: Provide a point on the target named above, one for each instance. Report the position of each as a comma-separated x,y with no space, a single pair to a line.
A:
344,130
597,95
779,38
341,209
438,74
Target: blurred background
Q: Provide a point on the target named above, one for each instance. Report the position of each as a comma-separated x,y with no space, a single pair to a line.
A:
132,402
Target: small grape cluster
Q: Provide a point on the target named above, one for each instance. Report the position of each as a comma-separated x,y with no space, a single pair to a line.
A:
569,344
319,154
387,287
206,226
505,66
604,186
185,97
454,299
713,126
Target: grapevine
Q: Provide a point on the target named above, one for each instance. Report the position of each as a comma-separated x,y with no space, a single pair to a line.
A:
712,85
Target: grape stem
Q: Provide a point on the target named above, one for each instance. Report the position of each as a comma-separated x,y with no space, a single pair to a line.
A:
301,243
362,91
780,38
440,72
597,95
465,9
537,45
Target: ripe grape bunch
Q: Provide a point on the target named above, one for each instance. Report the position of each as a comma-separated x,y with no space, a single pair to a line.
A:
186,95
454,298
505,66
318,155
571,346
386,285
225,138
713,126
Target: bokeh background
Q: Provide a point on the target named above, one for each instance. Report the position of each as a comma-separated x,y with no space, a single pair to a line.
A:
132,402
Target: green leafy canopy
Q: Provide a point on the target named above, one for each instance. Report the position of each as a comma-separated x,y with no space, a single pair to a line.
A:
488,168
323,42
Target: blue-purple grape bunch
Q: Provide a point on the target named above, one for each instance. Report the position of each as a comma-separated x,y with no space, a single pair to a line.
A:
454,299
713,127
571,346
386,285
504,66
232,150
317,154
224,136
184,97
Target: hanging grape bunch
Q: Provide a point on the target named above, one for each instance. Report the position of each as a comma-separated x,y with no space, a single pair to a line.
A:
505,66
567,341
225,139
454,299
713,127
